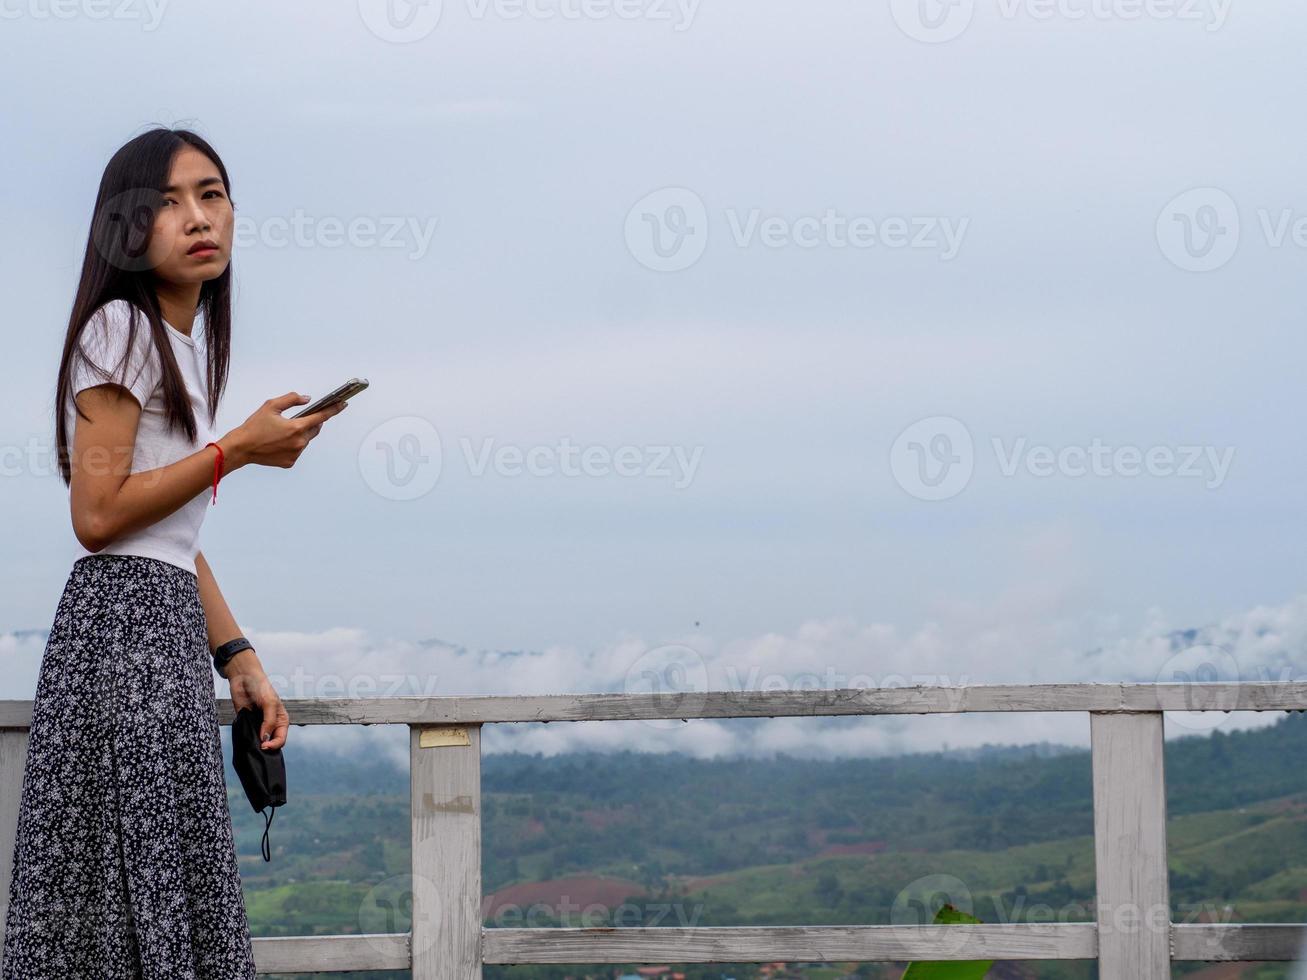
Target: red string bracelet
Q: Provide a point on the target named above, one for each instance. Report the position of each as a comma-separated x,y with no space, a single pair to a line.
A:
217,469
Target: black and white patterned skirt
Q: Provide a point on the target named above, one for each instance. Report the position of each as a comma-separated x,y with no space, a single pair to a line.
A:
124,864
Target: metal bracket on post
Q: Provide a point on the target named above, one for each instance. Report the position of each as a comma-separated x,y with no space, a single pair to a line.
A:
434,736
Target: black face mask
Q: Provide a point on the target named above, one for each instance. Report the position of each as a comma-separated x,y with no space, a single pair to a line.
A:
262,771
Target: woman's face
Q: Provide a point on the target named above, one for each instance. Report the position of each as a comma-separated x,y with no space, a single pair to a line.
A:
195,210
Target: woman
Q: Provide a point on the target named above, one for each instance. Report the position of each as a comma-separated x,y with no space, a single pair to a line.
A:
124,865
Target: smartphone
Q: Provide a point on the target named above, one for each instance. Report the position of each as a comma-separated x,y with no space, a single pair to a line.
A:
345,392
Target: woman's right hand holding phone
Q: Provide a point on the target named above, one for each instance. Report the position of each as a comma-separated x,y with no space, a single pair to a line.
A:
268,438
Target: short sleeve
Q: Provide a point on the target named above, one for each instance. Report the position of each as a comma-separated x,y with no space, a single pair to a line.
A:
104,348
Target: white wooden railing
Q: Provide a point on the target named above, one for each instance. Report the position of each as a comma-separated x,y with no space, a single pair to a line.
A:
1132,939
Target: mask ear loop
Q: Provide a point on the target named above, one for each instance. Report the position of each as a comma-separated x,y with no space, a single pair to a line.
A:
272,812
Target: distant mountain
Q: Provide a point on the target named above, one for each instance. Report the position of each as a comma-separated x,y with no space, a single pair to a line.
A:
988,797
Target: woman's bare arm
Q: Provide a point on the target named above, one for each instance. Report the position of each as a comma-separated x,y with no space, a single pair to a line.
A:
249,681
109,501
221,623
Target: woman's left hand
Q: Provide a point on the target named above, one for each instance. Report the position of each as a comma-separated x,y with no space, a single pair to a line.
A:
250,687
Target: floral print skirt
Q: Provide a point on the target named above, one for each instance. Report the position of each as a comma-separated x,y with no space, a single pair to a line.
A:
124,864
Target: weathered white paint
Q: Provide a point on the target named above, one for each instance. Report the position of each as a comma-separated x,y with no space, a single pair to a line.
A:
759,944
453,710
445,801
332,954
1134,911
13,755
1242,943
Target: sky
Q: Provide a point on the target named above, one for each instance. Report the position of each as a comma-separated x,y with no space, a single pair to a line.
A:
893,342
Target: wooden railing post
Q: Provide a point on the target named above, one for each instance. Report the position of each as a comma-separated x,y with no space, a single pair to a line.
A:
1133,901
445,788
13,755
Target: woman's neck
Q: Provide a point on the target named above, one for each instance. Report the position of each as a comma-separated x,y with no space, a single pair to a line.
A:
178,302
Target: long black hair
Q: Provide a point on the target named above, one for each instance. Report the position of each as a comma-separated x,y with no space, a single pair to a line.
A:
115,267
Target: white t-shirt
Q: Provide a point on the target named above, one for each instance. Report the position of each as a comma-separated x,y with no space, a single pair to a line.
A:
174,538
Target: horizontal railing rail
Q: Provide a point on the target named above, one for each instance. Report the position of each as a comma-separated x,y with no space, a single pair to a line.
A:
1132,937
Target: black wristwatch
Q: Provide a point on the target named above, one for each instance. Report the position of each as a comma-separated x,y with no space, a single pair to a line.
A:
222,656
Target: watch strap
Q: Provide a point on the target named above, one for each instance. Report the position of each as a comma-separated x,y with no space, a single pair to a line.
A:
223,654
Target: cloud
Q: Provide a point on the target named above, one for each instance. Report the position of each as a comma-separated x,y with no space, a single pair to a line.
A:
1013,640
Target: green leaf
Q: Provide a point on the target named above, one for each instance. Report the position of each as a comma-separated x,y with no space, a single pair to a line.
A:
951,969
